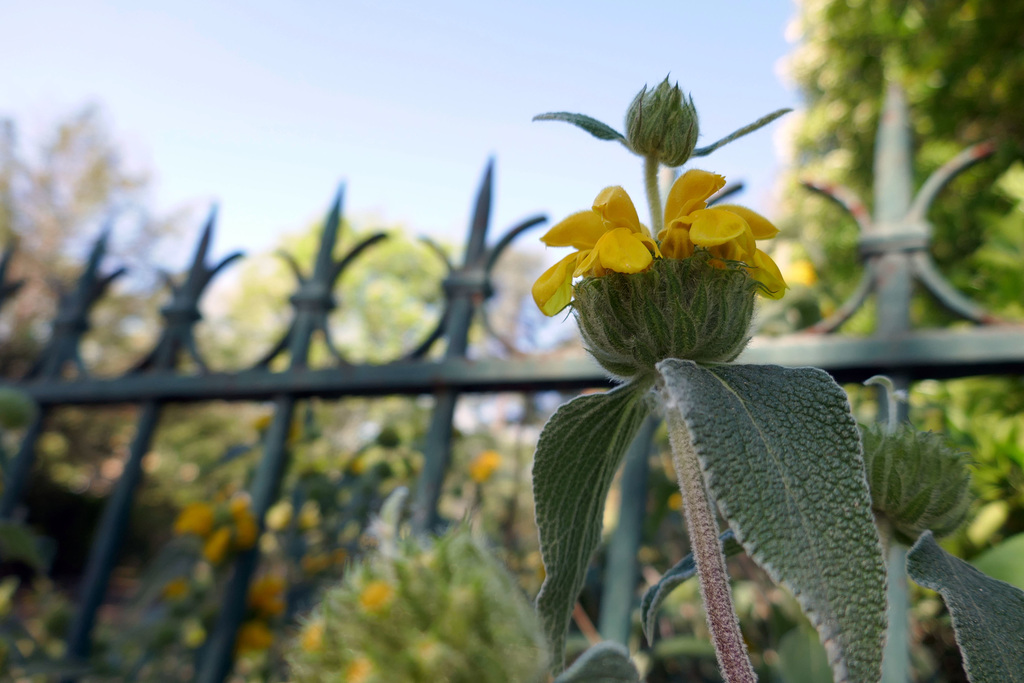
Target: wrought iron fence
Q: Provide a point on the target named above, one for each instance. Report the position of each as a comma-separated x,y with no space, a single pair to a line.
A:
894,245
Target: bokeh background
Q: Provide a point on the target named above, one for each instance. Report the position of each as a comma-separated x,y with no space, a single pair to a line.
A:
143,117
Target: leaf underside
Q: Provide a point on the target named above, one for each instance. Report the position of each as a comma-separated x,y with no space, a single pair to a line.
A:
988,615
604,663
781,456
675,577
601,131
577,455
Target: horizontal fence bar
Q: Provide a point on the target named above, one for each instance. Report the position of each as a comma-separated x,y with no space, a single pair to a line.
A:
920,355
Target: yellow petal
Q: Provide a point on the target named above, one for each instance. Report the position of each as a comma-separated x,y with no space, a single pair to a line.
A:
553,290
768,274
620,251
586,263
580,230
615,206
759,225
690,192
712,227
675,243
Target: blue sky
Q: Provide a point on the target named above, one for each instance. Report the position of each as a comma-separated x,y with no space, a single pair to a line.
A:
265,107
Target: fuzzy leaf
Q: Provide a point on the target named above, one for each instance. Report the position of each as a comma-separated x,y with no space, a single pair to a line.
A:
988,615
604,663
673,578
781,455
735,135
577,455
601,131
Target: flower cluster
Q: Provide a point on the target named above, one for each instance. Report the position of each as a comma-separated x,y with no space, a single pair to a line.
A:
223,529
609,238
265,602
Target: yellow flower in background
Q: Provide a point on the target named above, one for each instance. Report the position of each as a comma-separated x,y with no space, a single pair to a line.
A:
609,238
254,635
359,671
675,501
266,596
801,273
247,529
484,465
195,518
376,596
175,589
280,516
216,547
309,515
727,231
312,637
314,563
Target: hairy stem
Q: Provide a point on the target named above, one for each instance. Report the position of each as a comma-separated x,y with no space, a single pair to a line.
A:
714,581
654,194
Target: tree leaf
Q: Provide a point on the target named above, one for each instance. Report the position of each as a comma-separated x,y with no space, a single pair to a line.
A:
601,131
673,578
19,544
781,455
604,663
988,615
577,455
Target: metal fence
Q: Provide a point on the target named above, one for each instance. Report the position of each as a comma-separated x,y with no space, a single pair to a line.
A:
894,245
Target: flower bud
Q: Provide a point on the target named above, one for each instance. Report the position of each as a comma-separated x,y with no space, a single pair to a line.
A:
684,308
663,124
918,482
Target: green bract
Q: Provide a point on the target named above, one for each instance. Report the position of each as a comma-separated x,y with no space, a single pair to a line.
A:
685,309
918,482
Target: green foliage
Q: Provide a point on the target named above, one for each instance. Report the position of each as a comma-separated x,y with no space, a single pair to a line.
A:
577,455
601,131
781,455
604,663
988,615
423,611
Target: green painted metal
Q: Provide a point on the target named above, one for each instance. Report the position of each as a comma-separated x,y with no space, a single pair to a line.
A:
619,589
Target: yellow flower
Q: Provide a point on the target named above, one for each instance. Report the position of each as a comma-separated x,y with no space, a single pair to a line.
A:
279,516
608,238
376,596
483,466
195,518
802,273
309,515
216,547
675,501
266,596
175,589
247,530
312,637
254,635
359,671
314,563
728,231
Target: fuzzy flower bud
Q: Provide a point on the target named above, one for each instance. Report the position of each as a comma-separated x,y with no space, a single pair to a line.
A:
444,611
662,123
918,482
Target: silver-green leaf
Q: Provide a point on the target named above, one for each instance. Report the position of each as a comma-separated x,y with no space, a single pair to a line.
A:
603,663
577,456
675,577
781,456
988,615
601,131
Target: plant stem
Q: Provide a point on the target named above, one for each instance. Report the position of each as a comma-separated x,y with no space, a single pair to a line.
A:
654,194
714,581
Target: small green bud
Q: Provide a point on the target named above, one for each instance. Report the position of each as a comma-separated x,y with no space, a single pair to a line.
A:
662,123
918,482
678,308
